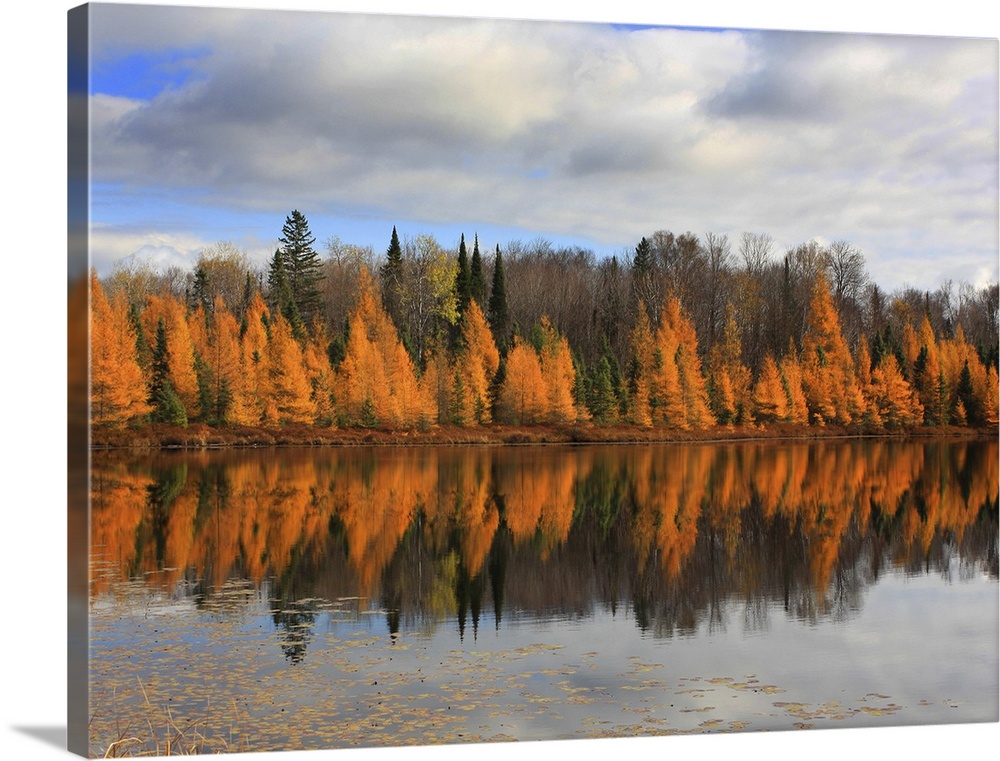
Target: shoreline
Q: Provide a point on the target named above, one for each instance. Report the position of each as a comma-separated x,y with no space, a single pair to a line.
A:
199,437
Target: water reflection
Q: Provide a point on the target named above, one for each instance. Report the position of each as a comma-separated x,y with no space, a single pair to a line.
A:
675,536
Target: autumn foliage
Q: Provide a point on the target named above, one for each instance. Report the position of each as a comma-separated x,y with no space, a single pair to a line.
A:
159,357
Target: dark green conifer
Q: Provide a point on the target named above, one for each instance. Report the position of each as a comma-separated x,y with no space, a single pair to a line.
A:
463,290
281,298
167,406
498,316
477,281
303,267
391,277
965,394
643,261
200,290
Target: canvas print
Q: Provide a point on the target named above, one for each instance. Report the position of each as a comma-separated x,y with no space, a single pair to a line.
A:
444,381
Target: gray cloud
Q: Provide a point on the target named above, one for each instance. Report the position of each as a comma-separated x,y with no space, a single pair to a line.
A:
564,128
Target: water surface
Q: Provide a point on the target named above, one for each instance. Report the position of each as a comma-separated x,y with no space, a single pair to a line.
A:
316,598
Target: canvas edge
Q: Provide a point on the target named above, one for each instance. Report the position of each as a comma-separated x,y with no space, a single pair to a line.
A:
78,379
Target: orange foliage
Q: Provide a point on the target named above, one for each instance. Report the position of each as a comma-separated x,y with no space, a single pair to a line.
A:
694,389
791,374
316,361
892,400
538,495
641,342
181,371
769,393
118,387
671,369
377,374
670,486
290,398
730,380
666,395
828,379
556,365
476,364
523,394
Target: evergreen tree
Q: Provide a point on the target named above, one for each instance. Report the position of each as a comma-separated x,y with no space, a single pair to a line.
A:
463,290
248,292
282,300
499,317
200,291
206,386
477,282
391,278
601,399
966,396
643,261
303,267
392,270
143,352
160,361
167,406
496,384
616,376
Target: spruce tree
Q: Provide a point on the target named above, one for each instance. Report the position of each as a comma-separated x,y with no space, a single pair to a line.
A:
245,299
499,317
463,290
643,261
392,270
160,361
200,293
142,348
615,376
391,276
303,266
601,399
965,394
206,390
281,298
167,406
477,283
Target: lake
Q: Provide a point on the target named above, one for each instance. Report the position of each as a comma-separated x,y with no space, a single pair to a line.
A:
271,599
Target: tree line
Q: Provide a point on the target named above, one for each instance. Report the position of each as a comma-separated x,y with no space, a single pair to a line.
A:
682,332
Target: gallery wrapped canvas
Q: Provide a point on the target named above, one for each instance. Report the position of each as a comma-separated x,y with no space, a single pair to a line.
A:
440,381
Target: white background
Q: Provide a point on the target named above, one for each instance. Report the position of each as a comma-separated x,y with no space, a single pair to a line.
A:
32,369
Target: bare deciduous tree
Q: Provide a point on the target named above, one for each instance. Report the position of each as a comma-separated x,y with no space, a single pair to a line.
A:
755,251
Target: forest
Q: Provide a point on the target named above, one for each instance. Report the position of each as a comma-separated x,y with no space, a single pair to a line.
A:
683,333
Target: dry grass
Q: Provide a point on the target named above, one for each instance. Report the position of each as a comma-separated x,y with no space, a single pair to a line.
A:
159,734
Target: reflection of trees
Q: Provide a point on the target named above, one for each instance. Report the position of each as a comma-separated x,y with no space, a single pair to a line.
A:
297,620
679,536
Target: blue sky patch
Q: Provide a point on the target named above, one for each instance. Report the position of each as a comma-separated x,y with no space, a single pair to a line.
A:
145,75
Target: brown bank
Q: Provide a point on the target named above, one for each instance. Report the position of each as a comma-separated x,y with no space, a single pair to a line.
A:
154,436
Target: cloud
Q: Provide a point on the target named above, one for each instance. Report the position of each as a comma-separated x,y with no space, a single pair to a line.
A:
563,128
161,250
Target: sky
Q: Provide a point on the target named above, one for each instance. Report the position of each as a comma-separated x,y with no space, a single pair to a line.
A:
213,124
